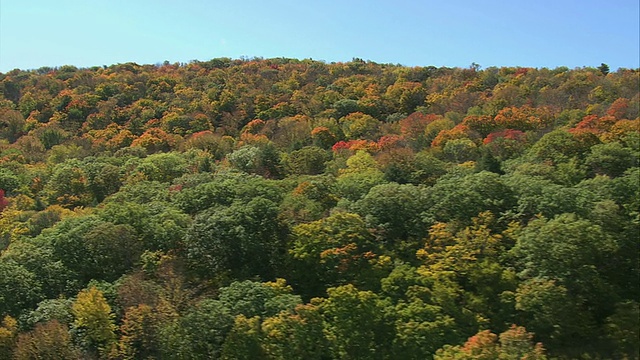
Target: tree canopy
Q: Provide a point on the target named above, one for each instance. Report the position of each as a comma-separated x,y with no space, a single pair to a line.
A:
287,209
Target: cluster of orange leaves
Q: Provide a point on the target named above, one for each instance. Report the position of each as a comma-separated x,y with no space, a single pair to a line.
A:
355,145
509,134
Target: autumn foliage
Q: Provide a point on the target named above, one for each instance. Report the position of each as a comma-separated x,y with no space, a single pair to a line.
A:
297,209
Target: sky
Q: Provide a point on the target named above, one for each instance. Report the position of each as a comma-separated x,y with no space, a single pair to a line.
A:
453,33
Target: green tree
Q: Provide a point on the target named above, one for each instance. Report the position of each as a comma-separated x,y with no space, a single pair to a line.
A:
50,136
69,186
604,69
568,249
354,324
93,248
103,179
112,250
332,251
142,192
460,150
345,107
539,196
394,211
359,126
203,196
12,125
463,196
622,329
53,277
471,259
48,310
163,167
575,254
263,160
309,160
359,177
158,225
197,334
488,162
19,288
556,146
223,189
550,311
9,181
250,298
420,328
241,240
610,159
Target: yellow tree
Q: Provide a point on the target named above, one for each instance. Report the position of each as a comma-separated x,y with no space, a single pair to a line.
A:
8,332
295,335
94,321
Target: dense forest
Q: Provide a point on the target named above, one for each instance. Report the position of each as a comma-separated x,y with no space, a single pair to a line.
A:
296,209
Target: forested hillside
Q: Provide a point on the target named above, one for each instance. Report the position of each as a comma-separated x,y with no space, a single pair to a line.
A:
294,209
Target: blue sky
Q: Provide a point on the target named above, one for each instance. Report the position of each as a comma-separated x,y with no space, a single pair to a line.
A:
534,33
